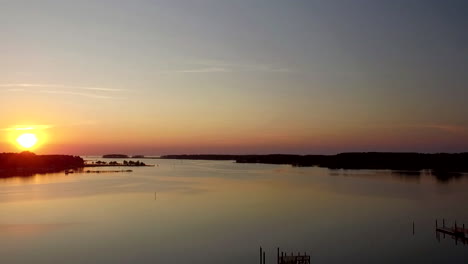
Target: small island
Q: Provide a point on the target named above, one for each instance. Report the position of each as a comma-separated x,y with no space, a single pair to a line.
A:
115,156
125,163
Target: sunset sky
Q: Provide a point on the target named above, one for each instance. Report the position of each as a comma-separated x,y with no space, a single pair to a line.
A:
244,76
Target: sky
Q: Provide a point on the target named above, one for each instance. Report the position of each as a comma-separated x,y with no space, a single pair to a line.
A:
239,77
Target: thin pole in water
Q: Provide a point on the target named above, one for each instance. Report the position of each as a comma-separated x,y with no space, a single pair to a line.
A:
277,256
260,255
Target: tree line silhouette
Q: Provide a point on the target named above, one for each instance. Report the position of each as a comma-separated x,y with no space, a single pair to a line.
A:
457,162
30,162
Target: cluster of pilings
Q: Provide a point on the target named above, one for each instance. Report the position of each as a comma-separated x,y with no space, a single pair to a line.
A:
456,232
284,258
262,256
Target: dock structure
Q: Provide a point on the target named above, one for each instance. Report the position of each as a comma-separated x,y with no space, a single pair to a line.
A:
292,259
456,232
262,256
284,258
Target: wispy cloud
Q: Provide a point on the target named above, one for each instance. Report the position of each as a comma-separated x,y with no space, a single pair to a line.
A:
447,128
38,85
26,127
203,70
214,66
85,91
15,90
254,67
90,95
47,126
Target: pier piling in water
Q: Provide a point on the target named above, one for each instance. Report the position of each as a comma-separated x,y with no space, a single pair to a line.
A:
277,255
284,258
262,256
455,232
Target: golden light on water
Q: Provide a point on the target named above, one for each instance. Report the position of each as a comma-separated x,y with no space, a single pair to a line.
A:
27,140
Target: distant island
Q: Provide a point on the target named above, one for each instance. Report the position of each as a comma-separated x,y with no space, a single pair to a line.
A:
442,162
122,156
125,156
125,163
115,156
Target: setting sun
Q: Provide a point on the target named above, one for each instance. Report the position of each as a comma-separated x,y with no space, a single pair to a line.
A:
27,140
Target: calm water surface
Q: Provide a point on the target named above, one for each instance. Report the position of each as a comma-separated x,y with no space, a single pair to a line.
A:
221,212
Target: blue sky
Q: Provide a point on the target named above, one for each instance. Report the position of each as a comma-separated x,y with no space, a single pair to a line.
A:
237,76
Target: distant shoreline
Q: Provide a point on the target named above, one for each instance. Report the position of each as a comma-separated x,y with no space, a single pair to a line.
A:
443,162
442,165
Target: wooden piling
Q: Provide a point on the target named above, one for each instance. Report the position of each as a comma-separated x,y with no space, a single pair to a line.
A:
261,255
277,256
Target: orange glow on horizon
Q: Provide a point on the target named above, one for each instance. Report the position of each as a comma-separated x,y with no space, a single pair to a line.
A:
26,138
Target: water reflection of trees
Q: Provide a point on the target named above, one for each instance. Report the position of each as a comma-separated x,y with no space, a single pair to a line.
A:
407,175
26,173
445,176
441,176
